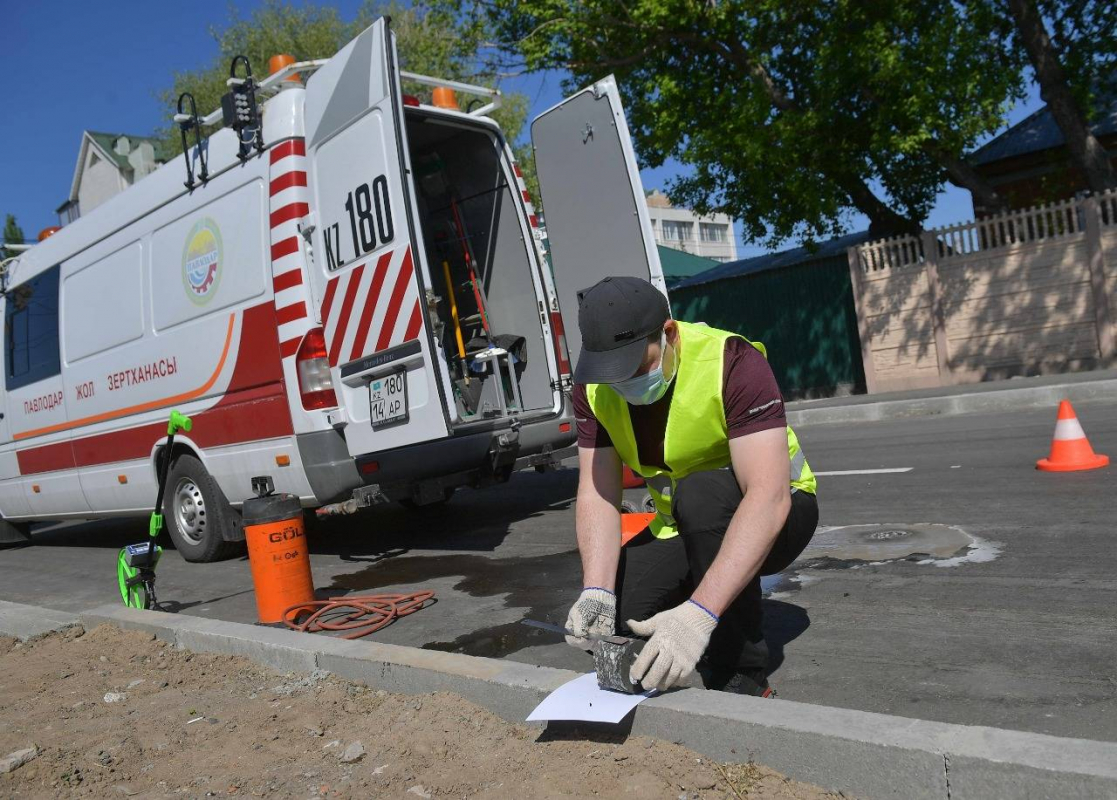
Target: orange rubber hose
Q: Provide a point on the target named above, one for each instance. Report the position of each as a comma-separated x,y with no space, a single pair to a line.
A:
355,615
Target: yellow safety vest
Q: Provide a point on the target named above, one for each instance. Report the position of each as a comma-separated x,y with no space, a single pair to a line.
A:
697,436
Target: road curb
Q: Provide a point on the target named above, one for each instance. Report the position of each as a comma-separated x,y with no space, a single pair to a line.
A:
26,622
977,402
856,752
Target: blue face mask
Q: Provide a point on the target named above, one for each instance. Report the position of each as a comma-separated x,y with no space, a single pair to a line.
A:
643,390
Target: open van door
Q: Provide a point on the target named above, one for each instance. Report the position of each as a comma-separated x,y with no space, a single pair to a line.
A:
593,201
368,277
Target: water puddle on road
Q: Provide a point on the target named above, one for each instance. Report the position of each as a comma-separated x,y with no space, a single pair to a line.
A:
545,585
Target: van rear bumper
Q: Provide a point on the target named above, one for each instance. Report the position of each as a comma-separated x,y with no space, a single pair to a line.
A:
329,467
475,452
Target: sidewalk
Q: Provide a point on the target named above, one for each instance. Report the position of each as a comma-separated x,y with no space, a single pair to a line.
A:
1009,395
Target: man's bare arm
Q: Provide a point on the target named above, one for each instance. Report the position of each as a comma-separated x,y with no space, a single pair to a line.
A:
598,516
760,462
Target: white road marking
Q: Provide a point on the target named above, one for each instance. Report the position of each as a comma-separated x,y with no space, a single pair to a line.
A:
888,471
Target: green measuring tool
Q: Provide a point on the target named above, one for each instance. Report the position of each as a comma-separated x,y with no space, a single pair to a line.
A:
135,564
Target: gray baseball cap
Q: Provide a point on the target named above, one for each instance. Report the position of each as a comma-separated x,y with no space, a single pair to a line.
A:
616,315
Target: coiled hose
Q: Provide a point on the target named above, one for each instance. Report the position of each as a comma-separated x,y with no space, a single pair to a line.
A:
354,616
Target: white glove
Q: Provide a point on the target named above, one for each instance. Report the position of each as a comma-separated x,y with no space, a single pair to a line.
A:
679,637
595,613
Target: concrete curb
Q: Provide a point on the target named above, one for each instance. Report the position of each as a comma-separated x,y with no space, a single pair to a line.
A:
976,402
26,622
859,753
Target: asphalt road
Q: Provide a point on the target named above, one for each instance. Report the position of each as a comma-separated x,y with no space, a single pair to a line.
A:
977,590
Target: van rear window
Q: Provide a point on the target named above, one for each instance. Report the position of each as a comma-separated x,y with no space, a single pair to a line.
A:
31,331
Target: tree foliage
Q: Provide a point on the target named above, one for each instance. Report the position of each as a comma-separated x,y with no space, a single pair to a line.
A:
430,41
13,234
790,116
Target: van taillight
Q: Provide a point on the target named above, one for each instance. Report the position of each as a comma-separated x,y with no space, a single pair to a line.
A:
559,332
313,367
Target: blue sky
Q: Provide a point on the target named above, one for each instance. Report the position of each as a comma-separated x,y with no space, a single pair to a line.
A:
72,66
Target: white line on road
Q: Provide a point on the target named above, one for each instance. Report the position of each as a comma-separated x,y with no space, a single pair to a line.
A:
866,471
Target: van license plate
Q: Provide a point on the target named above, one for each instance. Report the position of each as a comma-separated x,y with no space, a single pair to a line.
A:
388,399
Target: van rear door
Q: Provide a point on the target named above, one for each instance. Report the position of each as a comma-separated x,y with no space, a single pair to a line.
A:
593,201
368,277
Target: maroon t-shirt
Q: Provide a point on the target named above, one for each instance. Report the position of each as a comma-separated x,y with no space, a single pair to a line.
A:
752,400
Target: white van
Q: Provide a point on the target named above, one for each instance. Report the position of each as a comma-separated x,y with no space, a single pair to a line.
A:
359,308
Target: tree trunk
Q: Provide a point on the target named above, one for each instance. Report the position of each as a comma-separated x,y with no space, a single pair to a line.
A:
883,221
1085,150
963,175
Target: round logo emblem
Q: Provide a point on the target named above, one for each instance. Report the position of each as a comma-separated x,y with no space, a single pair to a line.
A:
201,261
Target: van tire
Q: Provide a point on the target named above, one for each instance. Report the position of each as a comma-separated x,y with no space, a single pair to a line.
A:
196,513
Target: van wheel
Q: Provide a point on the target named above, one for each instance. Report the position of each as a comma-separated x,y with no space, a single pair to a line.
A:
196,513
14,532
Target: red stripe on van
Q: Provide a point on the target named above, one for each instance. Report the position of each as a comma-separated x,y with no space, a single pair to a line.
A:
292,147
533,220
398,291
286,280
286,181
527,196
343,315
414,324
285,247
289,212
253,407
289,347
516,169
290,313
370,305
48,458
328,300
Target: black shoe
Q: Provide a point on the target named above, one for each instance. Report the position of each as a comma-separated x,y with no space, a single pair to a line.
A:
751,682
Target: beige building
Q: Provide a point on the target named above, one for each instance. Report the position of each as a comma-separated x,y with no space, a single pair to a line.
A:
108,163
681,229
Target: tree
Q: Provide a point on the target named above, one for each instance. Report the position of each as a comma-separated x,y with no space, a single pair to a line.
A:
790,116
13,234
430,41
1087,32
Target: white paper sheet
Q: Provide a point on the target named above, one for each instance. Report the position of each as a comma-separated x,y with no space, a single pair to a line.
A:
583,701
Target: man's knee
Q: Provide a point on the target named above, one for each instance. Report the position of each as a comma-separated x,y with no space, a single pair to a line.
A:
706,501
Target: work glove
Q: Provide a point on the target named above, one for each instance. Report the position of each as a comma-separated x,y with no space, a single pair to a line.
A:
594,613
679,637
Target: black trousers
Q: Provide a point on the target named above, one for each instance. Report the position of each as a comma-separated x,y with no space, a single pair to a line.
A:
657,574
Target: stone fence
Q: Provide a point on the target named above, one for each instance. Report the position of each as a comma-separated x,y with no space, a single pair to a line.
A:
1024,293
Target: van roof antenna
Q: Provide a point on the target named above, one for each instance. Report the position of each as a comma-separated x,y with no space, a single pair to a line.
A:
239,110
185,123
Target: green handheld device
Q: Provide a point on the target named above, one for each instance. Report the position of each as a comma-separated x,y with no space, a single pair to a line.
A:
135,564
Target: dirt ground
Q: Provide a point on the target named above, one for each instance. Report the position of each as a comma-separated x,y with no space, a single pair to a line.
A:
114,713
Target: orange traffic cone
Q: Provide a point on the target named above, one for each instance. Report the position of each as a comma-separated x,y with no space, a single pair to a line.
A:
1070,449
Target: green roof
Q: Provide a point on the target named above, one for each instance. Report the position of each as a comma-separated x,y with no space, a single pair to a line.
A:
106,141
678,265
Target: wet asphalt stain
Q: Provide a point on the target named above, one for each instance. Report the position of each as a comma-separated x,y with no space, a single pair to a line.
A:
544,585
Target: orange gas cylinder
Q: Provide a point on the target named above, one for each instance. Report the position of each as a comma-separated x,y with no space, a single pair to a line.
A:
277,552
